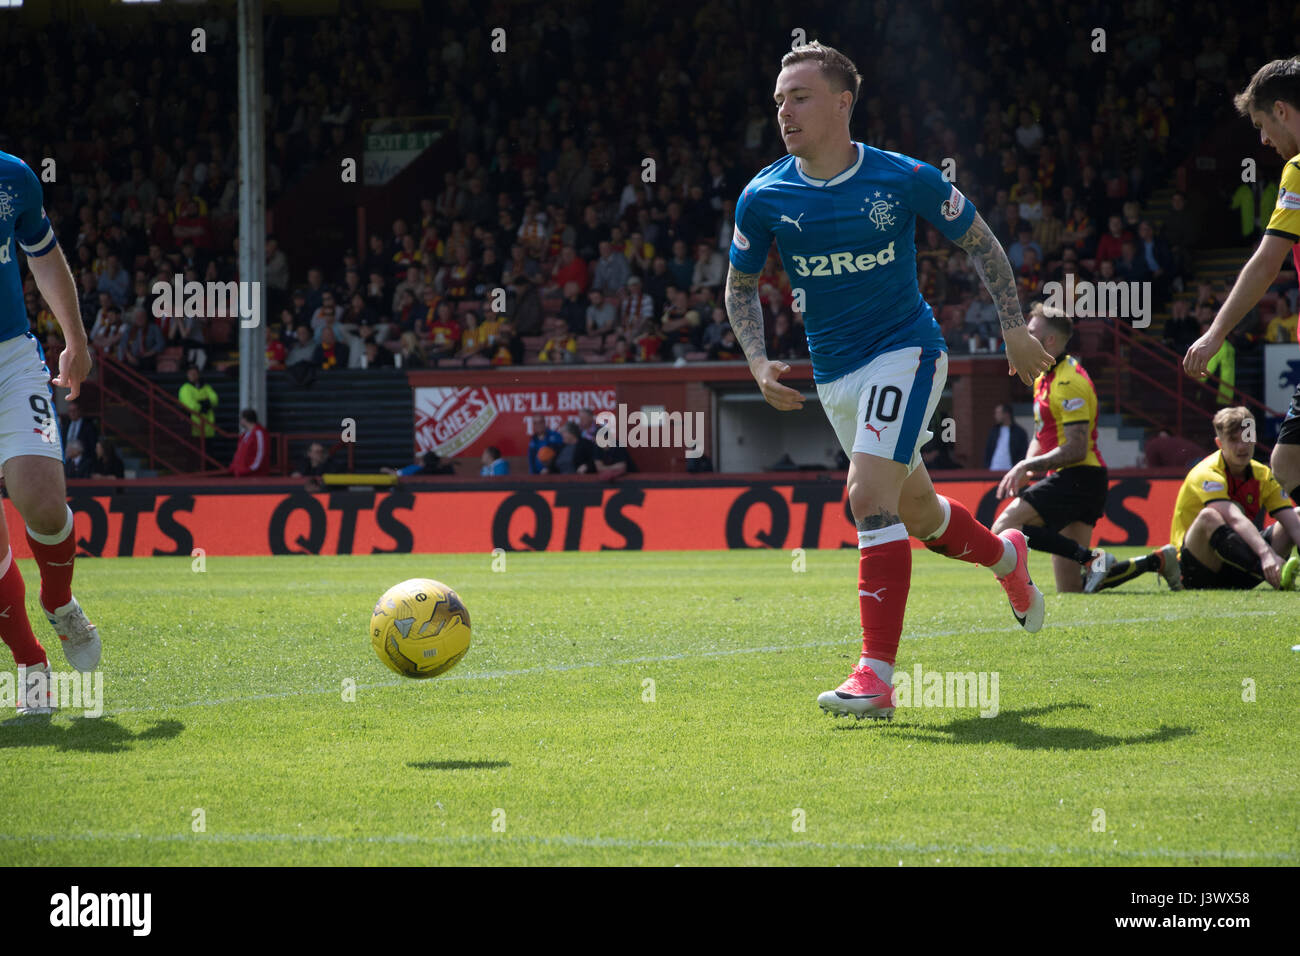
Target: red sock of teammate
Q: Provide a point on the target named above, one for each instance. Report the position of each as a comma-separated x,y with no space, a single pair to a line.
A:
960,536
15,629
55,555
884,577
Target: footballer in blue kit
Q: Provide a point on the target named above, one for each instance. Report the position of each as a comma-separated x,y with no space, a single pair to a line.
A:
31,450
843,216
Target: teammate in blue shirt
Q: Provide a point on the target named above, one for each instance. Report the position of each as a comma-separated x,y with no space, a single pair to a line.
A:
843,216
31,451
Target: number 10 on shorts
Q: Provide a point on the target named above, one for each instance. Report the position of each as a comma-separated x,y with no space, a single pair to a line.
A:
891,397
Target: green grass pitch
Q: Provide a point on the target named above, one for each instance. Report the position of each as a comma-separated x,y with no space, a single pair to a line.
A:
629,708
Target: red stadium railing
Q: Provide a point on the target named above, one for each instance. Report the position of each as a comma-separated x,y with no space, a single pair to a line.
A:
1139,359
143,416
138,413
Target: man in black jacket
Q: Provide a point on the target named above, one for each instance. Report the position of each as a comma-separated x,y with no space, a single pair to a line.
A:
577,456
1007,441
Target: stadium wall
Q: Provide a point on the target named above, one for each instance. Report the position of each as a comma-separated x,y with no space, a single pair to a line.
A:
450,515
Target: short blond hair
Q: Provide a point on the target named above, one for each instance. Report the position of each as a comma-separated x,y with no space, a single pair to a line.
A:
1230,421
1056,319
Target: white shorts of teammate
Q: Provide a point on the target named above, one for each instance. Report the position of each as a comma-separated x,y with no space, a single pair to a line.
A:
28,425
884,407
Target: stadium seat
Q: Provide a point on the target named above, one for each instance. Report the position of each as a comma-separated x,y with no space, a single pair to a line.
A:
697,356
589,343
477,361
592,357
534,343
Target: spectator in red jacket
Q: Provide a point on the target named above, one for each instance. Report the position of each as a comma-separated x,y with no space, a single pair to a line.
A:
253,456
1111,245
569,268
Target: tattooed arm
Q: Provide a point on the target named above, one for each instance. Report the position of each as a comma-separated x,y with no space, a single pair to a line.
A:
1025,354
746,314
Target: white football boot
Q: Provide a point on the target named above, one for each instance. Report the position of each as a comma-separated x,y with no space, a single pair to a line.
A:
78,636
34,690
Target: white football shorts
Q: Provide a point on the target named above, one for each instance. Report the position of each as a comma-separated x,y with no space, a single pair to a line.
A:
28,422
884,408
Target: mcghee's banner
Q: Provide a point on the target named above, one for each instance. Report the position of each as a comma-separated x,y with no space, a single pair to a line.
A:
433,518
463,421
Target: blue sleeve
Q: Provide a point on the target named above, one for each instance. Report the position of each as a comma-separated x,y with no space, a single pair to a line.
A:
409,470
752,237
32,228
938,201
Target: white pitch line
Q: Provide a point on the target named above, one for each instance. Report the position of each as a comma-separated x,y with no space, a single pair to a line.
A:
628,844
662,659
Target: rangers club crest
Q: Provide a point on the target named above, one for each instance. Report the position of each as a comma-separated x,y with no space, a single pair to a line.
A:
6,204
881,212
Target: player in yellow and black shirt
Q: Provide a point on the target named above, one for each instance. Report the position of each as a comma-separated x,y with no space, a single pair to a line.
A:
1058,514
1214,536
1272,103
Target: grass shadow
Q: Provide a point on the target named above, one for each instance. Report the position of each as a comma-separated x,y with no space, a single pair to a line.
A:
458,764
87,735
1015,727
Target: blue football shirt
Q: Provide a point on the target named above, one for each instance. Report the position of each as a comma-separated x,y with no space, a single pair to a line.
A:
23,223
850,244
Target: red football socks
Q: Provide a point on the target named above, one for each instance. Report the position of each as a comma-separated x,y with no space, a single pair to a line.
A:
55,555
884,577
15,629
964,538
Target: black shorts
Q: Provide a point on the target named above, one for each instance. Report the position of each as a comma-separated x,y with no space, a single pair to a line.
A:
1229,577
1289,431
1069,495
1197,577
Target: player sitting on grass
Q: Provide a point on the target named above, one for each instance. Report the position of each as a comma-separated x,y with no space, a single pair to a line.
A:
1214,521
843,216
1057,514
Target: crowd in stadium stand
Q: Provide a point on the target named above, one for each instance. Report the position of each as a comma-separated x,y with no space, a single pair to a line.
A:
551,201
